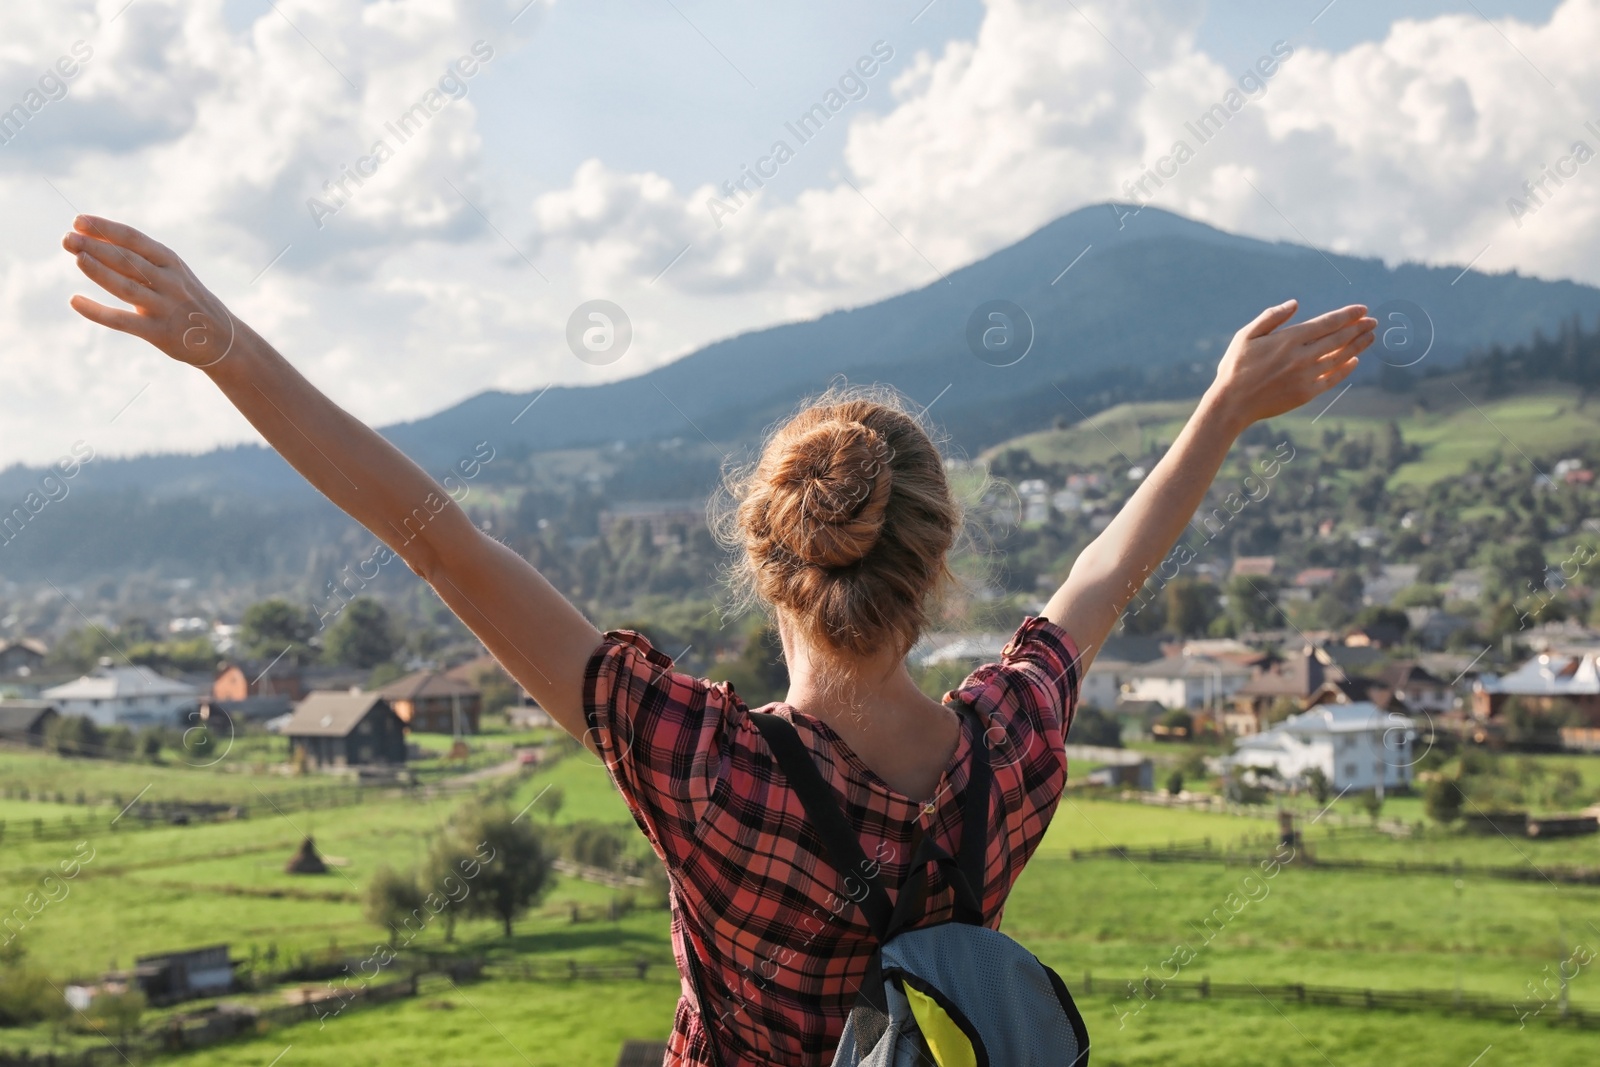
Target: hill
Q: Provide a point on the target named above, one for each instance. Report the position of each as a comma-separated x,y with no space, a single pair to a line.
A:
1119,306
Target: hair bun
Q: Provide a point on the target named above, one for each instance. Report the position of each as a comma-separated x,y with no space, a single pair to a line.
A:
830,493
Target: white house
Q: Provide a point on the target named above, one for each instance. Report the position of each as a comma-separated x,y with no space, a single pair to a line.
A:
1191,682
1102,684
1356,746
125,696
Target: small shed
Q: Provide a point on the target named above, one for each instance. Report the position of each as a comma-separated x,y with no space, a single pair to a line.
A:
332,729
25,721
175,976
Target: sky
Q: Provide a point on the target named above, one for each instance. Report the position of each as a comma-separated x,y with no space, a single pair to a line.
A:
586,151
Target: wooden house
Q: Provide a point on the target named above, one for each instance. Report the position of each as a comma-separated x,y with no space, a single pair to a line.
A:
434,702
333,729
25,721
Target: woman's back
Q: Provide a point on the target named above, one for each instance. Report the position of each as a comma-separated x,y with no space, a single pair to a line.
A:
774,926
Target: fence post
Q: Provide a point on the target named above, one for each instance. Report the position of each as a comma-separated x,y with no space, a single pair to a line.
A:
1205,987
1088,983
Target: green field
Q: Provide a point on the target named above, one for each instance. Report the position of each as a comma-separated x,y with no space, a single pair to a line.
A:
158,889
1451,430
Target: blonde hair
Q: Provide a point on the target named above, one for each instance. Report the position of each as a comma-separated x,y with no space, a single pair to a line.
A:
845,523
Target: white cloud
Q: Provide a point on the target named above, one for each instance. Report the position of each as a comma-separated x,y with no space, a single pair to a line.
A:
1406,149
407,298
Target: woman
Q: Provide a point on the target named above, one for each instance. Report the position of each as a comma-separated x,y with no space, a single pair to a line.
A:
843,529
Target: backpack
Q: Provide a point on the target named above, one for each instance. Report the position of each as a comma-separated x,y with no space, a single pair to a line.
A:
955,994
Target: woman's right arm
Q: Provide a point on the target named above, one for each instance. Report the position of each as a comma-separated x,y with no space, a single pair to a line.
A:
535,633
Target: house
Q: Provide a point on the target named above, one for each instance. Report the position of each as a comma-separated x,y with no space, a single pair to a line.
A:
1414,686
1353,691
25,721
1254,566
433,702
528,715
1355,746
241,681
175,976
1191,682
1295,676
1573,677
333,729
23,656
1116,767
1382,588
1102,684
968,649
669,521
1381,634
125,696
1432,628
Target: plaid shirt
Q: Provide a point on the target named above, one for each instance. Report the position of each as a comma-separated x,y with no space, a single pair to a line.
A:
781,945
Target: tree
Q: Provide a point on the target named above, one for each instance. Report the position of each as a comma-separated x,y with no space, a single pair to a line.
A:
118,1011
1372,804
393,899
363,636
1252,603
1516,569
275,626
450,877
1174,783
150,745
120,742
74,735
1442,800
1176,723
550,802
26,995
1318,785
1091,726
1191,605
516,864
758,674
498,690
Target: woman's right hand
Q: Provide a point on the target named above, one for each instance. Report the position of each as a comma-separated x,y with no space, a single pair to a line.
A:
171,309
1268,371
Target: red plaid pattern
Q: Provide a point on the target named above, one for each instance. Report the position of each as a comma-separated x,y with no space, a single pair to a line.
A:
780,942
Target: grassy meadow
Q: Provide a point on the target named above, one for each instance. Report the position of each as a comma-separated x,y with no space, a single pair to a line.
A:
150,890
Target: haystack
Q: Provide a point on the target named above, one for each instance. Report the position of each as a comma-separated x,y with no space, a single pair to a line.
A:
306,860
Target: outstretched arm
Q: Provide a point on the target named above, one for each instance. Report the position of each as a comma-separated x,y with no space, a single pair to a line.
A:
1265,372
540,638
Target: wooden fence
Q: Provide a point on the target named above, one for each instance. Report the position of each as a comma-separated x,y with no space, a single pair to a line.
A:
208,1027
1306,859
1134,993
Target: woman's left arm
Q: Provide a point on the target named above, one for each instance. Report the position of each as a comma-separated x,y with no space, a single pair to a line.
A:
535,633
1265,372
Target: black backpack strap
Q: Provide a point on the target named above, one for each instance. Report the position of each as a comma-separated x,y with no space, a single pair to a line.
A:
838,836
697,982
972,856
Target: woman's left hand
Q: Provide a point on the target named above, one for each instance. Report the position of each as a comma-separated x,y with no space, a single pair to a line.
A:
1269,370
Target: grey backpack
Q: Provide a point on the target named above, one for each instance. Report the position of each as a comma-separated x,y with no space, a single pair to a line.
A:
955,994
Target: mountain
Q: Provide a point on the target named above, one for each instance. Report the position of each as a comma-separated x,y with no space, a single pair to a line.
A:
1110,295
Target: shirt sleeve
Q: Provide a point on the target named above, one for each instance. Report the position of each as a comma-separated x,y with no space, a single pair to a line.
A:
1036,680
662,735
1028,699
